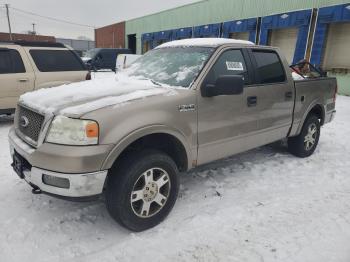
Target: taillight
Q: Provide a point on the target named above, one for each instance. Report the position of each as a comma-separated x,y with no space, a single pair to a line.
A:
335,93
88,76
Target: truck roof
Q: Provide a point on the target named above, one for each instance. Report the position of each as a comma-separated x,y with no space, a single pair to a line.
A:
212,42
33,44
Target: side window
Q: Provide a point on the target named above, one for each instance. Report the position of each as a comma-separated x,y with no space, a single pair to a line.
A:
230,62
269,67
18,66
5,62
11,62
56,60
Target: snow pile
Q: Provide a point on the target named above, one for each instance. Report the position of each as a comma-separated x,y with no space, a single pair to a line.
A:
82,97
204,42
263,205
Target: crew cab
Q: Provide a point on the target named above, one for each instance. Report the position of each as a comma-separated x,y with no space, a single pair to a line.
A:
184,104
27,66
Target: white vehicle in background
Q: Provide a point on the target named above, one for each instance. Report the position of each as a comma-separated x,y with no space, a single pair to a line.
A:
125,60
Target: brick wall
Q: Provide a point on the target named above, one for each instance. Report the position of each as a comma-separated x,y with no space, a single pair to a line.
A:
40,38
111,36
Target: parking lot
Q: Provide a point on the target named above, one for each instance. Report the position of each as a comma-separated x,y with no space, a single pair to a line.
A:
263,205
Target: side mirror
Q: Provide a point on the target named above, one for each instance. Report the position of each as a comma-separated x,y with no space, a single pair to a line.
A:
224,85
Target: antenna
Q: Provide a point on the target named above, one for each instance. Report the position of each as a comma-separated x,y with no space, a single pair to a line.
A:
8,20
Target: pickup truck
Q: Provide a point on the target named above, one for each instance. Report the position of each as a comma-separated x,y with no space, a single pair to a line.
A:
27,66
184,104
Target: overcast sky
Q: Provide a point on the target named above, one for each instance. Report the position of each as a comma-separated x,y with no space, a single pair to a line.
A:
95,13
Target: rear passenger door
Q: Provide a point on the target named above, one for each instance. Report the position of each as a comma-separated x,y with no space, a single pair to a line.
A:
274,94
14,78
55,67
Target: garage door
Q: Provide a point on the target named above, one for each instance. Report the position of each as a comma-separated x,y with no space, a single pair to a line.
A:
286,40
337,52
241,36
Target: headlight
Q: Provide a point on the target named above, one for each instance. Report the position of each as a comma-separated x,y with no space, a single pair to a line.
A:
76,132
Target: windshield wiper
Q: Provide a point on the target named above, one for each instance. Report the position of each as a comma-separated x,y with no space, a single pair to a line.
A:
155,82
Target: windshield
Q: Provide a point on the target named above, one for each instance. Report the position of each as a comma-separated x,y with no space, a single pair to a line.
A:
176,66
91,53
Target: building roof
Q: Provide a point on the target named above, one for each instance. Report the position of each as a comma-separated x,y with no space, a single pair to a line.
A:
204,42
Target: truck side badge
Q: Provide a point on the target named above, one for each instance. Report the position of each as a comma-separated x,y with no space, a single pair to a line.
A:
187,108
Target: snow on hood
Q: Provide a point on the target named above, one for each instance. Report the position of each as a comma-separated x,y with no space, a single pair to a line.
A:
83,97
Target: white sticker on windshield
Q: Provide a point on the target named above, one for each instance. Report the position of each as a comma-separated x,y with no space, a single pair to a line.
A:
234,66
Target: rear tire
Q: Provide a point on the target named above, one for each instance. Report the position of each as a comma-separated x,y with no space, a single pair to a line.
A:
304,145
142,189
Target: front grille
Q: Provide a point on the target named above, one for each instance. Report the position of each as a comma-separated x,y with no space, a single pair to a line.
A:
29,123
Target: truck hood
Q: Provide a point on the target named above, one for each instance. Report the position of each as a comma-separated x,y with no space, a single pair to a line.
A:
77,99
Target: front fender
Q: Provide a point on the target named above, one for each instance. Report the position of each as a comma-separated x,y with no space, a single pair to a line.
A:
137,134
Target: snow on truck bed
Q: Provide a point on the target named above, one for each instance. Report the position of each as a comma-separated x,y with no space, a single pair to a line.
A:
263,205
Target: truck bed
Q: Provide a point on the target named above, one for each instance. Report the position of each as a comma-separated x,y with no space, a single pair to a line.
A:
312,91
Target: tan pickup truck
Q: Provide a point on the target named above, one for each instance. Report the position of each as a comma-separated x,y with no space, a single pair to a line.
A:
181,105
27,66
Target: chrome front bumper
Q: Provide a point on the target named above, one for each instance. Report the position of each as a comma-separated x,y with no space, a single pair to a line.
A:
79,184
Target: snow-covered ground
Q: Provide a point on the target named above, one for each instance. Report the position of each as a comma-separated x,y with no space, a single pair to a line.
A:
263,205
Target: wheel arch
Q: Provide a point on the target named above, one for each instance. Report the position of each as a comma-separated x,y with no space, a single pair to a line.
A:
316,109
163,138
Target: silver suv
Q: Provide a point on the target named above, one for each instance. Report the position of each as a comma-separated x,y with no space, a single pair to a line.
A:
27,66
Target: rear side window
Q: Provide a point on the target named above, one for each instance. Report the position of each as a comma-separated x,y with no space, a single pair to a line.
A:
56,60
269,67
11,62
230,62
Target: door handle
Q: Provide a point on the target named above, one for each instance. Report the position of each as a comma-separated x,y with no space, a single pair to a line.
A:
252,101
289,95
23,80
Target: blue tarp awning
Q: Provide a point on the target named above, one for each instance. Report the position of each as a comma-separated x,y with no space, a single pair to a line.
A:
212,30
300,19
326,16
147,37
163,35
182,33
238,26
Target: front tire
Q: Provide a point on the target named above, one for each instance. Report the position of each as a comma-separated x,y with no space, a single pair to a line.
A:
142,189
304,145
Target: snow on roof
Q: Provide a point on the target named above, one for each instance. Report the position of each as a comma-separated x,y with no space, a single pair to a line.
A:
205,42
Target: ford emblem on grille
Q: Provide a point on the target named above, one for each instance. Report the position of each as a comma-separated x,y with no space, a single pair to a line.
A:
24,122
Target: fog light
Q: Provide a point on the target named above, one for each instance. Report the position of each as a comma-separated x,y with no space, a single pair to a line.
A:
56,181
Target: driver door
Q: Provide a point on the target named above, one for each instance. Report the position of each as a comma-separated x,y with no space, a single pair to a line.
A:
225,123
